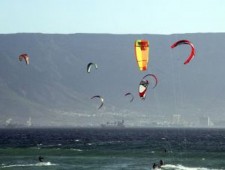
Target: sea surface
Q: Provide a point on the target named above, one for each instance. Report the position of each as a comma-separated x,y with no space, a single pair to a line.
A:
112,149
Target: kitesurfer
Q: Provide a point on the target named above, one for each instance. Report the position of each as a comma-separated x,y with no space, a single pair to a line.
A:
161,163
40,158
154,166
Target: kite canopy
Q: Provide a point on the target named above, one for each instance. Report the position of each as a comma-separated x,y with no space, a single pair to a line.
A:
90,65
130,94
141,48
24,57
152,75
101,99
192,53
143,86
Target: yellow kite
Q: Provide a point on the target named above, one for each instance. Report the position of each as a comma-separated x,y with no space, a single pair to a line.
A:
141,48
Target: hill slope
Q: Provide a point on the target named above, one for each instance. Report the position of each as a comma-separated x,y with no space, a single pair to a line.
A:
55,88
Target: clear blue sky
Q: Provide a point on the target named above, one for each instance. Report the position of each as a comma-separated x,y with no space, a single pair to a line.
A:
112,16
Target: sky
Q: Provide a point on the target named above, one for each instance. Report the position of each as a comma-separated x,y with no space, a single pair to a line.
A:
112,16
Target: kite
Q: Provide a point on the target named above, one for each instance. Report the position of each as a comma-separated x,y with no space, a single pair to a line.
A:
191,55
89,66
24,57
143,86
130,94
155,78
141,48
101,99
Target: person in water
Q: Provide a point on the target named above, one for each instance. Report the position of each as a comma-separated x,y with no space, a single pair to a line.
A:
40,158
154,166
161,163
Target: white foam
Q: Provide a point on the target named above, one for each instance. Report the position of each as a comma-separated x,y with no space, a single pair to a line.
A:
26,165
79,150
181,167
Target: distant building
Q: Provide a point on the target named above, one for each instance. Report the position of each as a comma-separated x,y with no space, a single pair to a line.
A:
116,124
8,121
204,121
176,119
29,123
10,124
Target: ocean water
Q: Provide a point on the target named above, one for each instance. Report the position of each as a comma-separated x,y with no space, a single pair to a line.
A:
112,149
